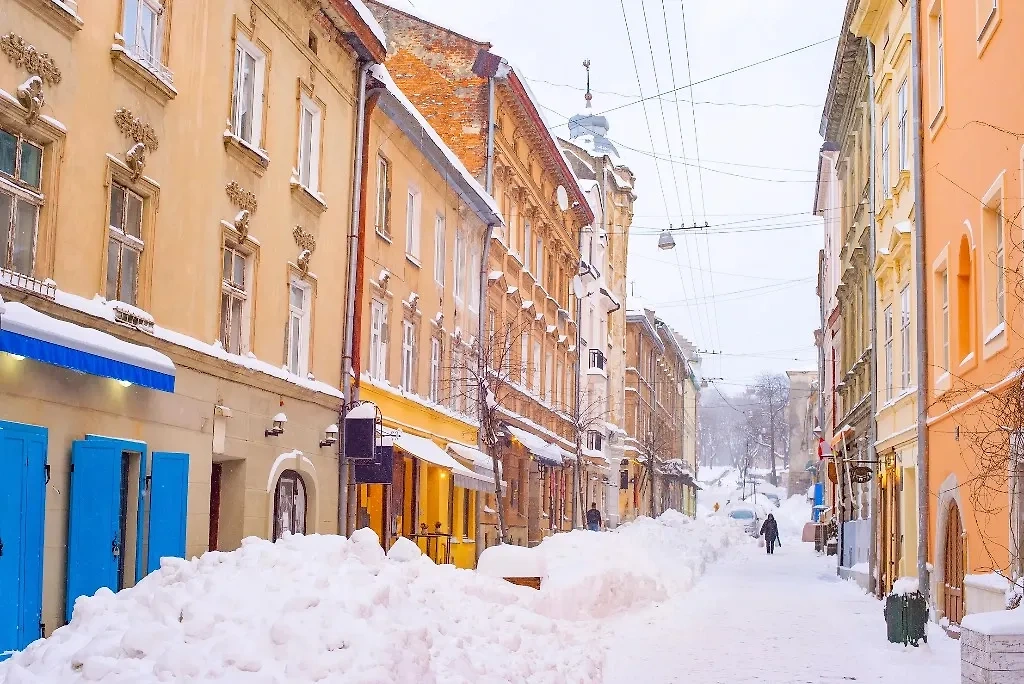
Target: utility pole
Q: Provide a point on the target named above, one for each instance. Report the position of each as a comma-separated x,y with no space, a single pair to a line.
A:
771,436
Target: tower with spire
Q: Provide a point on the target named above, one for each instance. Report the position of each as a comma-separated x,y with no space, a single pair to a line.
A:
594,126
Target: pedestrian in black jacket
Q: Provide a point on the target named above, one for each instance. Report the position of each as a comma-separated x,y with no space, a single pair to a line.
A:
770,530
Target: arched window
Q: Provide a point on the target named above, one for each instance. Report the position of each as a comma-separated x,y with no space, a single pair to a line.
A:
289,505
964,297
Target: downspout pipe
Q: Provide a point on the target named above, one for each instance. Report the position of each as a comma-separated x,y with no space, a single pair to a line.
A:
920,318
873,328
352,298
484,260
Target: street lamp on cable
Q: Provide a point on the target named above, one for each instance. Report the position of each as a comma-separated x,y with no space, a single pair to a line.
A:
665,240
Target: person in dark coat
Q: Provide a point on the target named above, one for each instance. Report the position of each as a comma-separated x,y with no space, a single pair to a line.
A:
770,530
594,518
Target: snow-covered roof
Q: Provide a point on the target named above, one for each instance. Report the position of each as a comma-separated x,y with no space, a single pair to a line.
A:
475,195
370,21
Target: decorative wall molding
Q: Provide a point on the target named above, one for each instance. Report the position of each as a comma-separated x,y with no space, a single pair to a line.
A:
240,197
307,244
135,129
28,57
30,96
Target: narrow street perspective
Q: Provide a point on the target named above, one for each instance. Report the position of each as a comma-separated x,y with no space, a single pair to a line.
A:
439,341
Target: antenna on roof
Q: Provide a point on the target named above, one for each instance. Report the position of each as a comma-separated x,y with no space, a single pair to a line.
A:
588,97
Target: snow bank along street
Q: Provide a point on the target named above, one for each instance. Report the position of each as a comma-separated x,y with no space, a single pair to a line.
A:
317,608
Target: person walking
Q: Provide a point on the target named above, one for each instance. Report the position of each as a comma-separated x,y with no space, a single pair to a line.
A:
770,530
594,518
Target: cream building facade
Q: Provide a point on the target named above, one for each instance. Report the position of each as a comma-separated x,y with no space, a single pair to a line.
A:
171,321
886,24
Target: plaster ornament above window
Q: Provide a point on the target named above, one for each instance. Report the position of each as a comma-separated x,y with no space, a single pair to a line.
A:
241,223
30,95
135,158
27,57
240,197
136,129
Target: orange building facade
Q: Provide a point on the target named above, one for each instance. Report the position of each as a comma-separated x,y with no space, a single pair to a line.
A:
973,178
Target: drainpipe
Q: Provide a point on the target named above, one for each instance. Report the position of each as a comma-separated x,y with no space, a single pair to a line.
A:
921,304
873,327
353,294
484,259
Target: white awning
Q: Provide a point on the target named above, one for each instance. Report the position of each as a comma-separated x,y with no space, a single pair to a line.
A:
549,454
482,470
426,450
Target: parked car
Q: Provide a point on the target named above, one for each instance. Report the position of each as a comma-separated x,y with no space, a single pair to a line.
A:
774,498
748,516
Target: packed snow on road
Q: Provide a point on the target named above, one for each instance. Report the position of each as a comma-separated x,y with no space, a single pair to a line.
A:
665,600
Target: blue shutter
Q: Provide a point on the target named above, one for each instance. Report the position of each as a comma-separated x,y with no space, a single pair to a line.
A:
168,507
94,517
22,506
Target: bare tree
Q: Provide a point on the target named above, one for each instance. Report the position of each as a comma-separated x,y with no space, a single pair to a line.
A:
483,376
586,414
656,443
771,393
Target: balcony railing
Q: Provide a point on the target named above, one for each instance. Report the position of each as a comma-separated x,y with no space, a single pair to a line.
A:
597,359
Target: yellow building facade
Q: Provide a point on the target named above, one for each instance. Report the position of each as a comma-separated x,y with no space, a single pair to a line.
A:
170,330
886,24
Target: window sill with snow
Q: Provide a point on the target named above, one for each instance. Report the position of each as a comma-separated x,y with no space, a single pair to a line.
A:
155,82
254,158
60,14
310,200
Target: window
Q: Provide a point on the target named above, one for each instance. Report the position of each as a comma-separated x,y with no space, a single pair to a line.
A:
434,390
460,266
901,135
1000,267
513,222
289,505
994,265
234,302
439,238
524,358
247,96
886,180
378,339
559,383
124,245
944,294
408,379
549,385
474,280
887,331
527,241
298,328
309,144
20,199
940,62
536,366
594,439
382,222
412,224
539,261
143,31
905,338
467,514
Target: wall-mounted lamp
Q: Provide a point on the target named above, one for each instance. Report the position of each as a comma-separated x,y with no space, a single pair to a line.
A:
330,436
279,420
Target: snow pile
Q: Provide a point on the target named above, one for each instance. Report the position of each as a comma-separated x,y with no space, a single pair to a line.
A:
998,623
310,609
905,586
595,575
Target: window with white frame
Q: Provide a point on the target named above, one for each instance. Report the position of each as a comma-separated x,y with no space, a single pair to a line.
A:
594,440
536,366
474,279
382,221
378,339
124,244
887,332
309,144
247,94
994,266
559,384
905,338
143,30
944,316
434,390
938,39
408,378
1000,246
549,385
20,199
439,238
901,137
527,243
886,178
412,223
524,359
234,301
539,260
459,274
298,327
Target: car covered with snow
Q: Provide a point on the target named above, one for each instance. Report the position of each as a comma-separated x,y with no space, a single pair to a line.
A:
749,516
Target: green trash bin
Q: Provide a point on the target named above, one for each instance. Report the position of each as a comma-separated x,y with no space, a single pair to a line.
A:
906,617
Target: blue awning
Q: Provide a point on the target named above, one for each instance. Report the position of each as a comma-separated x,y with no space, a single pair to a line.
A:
35,335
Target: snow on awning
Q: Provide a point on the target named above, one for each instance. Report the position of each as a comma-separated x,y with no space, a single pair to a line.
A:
483,468
549,454
426,450
32,334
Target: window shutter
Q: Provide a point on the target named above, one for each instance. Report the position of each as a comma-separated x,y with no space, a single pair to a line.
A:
168,507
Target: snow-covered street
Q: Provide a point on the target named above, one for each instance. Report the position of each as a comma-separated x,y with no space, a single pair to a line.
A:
782,619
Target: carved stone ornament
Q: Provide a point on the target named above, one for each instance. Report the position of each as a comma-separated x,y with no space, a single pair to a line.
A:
307,243
135,129
135,158
30,95
27,57
242,224
240,197
252,15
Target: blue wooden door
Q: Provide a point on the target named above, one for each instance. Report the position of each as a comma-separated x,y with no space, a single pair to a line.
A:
138,450
94,519
22,508
168,507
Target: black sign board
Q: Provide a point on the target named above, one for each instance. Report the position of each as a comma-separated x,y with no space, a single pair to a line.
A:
378,471
861,474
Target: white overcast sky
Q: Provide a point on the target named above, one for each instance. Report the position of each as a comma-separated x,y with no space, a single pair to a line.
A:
747,288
